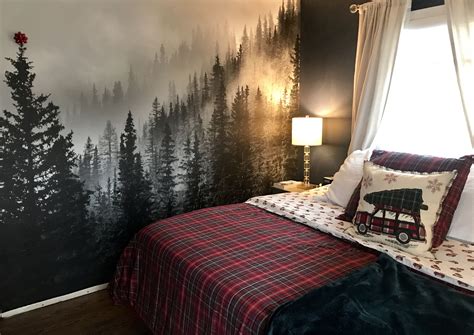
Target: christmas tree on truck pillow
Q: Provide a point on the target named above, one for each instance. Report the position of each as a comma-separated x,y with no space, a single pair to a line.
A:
399,208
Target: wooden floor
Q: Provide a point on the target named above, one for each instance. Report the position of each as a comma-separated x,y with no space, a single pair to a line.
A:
89,314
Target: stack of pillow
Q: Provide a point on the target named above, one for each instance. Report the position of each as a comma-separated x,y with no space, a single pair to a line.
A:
411,202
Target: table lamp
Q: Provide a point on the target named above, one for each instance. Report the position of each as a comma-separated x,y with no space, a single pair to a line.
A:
307,131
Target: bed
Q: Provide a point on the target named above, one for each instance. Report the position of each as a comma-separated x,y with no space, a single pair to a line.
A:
226,270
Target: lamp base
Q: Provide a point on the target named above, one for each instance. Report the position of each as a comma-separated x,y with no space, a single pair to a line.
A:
306,166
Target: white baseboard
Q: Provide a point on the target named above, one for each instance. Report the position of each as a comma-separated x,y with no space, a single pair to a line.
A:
52,301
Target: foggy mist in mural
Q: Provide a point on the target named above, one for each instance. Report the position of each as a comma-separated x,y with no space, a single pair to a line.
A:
197,116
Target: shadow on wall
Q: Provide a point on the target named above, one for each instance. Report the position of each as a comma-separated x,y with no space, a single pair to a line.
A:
328,47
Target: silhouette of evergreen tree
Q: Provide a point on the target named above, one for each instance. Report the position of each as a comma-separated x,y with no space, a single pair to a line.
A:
291,22
193,175
236,62
156,68
106,99
117,93
175,118
191,109
171,91
38,190
281,143
217,78
95,104
195,94
185,167
85,165
241,181
245,41
206,91
295,78
108,149
218,137
290,164
183,111
271,27
29,134
144,139
135,197
157,121
166,178
163,58
259,127
132,90
259,36
153,161
67,202
109,237
95,167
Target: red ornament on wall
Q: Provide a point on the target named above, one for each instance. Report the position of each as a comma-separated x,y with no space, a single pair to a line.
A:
20,38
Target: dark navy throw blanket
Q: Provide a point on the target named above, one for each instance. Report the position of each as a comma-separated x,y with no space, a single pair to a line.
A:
383,298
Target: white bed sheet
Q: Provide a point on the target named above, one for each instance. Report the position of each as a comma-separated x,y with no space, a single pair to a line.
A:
452,262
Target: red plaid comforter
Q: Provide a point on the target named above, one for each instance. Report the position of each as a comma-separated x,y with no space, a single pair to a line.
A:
224,270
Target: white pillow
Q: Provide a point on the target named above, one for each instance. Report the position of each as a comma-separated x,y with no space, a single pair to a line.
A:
348,177
462,227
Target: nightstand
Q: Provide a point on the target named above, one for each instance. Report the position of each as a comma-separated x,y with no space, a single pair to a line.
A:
299,187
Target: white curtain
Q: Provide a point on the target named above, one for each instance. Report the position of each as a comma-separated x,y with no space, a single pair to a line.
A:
380,25
461,26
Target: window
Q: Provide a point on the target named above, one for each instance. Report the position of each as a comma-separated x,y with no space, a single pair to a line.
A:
424,112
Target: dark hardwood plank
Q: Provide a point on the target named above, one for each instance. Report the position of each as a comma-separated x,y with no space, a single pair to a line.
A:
90,314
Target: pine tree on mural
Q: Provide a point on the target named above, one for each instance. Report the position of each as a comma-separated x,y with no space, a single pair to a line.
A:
197,191
241,178
153,160
261,130
185,167
166,177
290,163
95,104
259,36
218,137
135,197
217,77
39,191
133,89
163,57
195,95
29,135
295,78
108,235
206,91
117,93
95,168
66,203
157,120
108,149
85,165
106,99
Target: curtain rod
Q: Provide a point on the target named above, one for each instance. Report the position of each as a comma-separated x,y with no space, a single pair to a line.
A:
354,8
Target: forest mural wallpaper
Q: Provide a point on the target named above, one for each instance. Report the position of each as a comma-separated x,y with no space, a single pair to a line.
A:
117,113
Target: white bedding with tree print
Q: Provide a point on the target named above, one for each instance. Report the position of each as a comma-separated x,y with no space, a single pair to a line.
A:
452,262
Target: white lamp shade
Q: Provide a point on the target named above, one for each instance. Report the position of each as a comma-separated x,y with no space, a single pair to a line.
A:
307,131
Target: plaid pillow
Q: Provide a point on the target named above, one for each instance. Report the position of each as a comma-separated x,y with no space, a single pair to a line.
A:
418,163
